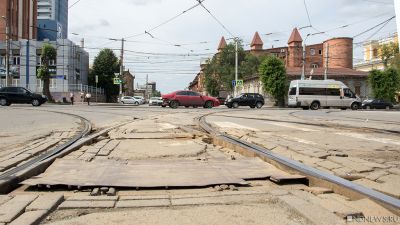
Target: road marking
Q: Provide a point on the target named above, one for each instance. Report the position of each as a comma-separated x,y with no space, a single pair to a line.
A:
299,140
234,125
370,138
290,126
167,126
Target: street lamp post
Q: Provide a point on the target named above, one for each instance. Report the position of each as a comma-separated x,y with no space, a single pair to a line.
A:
121,61
236,64
7,50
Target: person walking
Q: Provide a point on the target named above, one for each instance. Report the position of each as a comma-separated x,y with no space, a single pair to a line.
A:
88,96
82,97
71,96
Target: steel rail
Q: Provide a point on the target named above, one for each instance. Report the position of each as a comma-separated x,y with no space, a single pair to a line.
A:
308,171
10,174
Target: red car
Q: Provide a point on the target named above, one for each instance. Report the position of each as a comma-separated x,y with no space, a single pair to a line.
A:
188,98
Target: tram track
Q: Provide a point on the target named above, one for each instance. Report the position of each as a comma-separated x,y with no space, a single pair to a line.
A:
315,176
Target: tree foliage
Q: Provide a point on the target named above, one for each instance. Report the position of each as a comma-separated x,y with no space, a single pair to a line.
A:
385,83
49,53
105,66
388,52
220,70
273,77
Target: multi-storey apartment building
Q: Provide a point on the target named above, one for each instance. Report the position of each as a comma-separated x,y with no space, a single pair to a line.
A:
52,18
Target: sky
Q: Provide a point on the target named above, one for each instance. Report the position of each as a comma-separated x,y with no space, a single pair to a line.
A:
167,39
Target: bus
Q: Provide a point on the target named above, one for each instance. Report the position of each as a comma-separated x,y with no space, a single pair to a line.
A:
316,94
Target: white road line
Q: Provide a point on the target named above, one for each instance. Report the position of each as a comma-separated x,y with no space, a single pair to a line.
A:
299,140
234,125
370,138
290,126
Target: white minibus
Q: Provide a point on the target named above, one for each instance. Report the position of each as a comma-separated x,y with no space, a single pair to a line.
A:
315,94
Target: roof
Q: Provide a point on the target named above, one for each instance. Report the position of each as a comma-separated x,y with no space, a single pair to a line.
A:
295,36
296,71
256,40
222,43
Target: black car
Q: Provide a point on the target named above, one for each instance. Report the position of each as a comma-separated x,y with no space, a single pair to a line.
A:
246,99
10,95
376,104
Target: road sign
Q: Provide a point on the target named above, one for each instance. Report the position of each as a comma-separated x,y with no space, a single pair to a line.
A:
117,81
234,83
239,83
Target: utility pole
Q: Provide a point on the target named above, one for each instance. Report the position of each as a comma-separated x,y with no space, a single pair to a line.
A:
236,65
145,90
7,50
121,69
326,61
303,70
397,11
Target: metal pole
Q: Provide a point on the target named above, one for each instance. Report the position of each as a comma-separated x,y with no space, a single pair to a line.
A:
303,71
121,69
145,90
7,51
236,66
326,61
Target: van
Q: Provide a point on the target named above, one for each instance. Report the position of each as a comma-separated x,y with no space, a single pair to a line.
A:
315,94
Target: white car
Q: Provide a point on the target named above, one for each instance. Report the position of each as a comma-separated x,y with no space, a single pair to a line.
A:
140,99
129,100
155,101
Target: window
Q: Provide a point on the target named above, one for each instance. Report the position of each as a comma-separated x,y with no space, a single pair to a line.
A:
312,51
16,60
53,83
320,52
314,65
312,91
192,93
21,90
348,93
182,93
358,90
282,50
333,92
292,91
15,82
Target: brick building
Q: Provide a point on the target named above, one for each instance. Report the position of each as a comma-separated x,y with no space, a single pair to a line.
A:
333,55
21,18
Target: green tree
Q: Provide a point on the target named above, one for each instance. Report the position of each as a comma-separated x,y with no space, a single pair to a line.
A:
273,77
156,94
385,83
388,52
105,66
249,66
49,53
220,70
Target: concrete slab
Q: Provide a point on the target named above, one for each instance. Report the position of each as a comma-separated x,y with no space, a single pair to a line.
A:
30,218
15,207
232,199
143,203
152,136
314,213
390,188
4,199
357,167
143,149
141,173
328,164
86,204
46,202
143,197
93,198
375,175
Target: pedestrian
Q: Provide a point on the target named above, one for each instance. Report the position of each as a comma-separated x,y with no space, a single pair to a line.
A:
71,96
88,96
82,97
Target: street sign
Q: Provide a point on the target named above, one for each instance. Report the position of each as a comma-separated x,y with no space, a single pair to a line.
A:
239,83
117,81
234,83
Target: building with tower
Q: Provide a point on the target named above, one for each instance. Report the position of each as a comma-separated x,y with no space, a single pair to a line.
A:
333,57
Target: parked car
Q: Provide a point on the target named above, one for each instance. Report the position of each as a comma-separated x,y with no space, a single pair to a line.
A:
129,100
246,99
376,104
187,99
140,99
155,101
11,95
